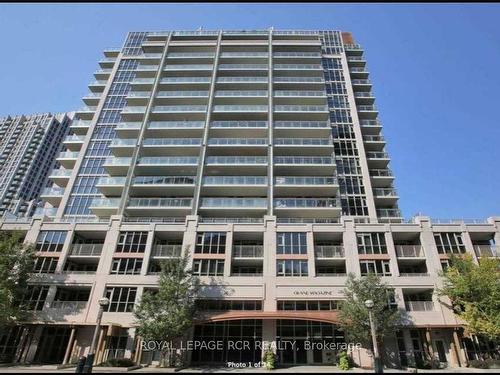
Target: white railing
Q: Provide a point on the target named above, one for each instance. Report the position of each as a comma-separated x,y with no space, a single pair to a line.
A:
419,305
166,250
69,306
409,251
248,251
329,251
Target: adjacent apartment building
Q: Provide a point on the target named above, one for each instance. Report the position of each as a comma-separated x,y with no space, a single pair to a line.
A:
259,152
29,145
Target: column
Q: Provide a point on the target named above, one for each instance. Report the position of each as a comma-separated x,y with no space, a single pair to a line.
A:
268,335
351,247
311,259
229,251
69,349
147,252
391,250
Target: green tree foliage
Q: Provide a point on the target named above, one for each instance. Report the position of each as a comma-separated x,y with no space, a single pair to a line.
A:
353,316
474,291
16,262
166,314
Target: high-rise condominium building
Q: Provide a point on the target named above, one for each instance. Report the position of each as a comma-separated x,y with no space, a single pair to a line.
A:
260,154
28,149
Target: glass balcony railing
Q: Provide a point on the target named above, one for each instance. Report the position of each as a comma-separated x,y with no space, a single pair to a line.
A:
329,251
380,172
139,94
301,108
357,70
68,155
164,180
61,172
117,142
368,108
240,93
128,126
160,202
176,125
81,123
298,80
111,181
238,124
248,251
169,251
180,108
409,251
185,80
243,67
86,249
49,212
172,142
105,202
181,94
147,81
298,67
361,82
305,180
419,305
297,54
168,160
363,95
238,160
303,160
189,67
118,161
146,67
53,191
373,138
235,180
381,192
243,54
73,138
377,155
190,54
388,212
237,141
242,79
303,142
134,109
240,108
306,202
301,124
290,93
234,202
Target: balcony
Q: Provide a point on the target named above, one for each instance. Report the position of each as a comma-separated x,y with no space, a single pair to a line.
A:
303,146
409,251
238,129
389,215
374,142
244,67
247,109
97,86
73,142
353,49
142,84
248,251
107,62
177,165
179,112
159,206
321,129
291,97
293,112
356,61
364,98
80,127
419,305
192,95
123,147
86,113
190,55
104,207
177,128
358,73
329,251
236,83
128,129
171,146
307,207
243,146
361,85
194,83
304,165
490,251
381,178
133,113
92,98
312,83
243,55
385,196
377,160
102,73
290,186
53,195
147,68
111,186
85,250
46,212
117,166
242,96
166,251
67,159
367,112
237,165
234,185
189,67
60,176
233,207
299,67
144,186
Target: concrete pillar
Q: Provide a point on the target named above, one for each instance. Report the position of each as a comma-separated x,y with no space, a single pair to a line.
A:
469,247
391,250
147,252
65,250
69,348
409,348
269,265
268,335
229,251
130,348
311,264
33,346
351,247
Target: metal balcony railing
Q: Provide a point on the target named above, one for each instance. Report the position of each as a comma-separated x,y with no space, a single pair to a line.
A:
301,108
172,142
303,160
306,202
298,80
160,202
184,80
301,124
180,108
240,108
377,155
164,180
303,142
381,172
168,251
298,66
242,160
242,79
373,138
388,212
486,250
83,249
305,181
296,54
176,124
69,306
234,202
166,160
237,141
111,181
243,67
235,180
419,305
238,124
290,93
243,54
385,192
190,54
189,67
240,93
409,251
181,94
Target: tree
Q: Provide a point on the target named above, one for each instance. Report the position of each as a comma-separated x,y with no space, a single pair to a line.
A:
165,314
474,291
353,316
16,262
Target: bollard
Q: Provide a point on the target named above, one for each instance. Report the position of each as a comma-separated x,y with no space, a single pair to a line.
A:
80,364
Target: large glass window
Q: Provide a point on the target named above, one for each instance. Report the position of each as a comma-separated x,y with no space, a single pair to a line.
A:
126,266
35,297
371,243
210,243
291,243
132,242
378,267
208,267
291,267
45,265
50,241
121,299
226,305
449,243
308,305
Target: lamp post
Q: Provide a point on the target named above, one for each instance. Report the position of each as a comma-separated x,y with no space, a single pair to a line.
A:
377,365
103,302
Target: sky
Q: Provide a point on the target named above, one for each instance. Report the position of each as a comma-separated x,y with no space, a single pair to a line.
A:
435,70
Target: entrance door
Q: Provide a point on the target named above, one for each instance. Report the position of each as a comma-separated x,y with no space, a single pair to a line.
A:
300,352
441,350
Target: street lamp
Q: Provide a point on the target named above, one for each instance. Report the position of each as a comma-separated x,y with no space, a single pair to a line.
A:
377,365
103,302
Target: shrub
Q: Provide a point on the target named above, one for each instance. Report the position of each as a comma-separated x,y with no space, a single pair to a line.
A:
344,361
485,364
270,359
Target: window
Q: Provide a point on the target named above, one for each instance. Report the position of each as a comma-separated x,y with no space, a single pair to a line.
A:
378,267
291,243
35,297
291,267
308,305
225,305
449,243
50,241
126,266
132,242
121,299
210,243
45,265
371,243
208,267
